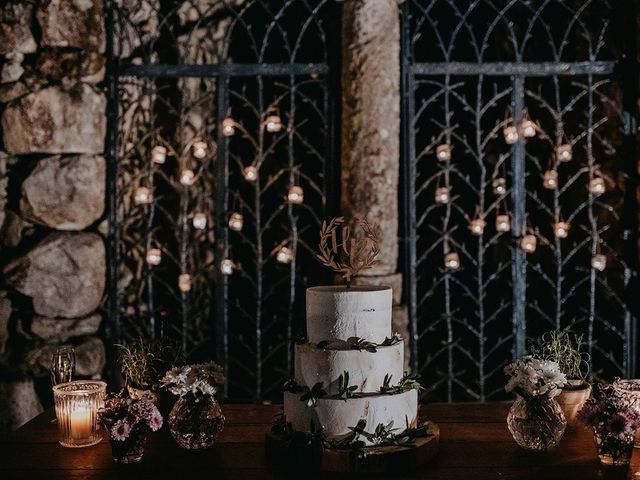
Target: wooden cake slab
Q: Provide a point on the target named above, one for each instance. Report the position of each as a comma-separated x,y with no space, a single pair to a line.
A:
286,454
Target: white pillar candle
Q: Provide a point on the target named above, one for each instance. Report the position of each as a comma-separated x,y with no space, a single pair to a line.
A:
80,423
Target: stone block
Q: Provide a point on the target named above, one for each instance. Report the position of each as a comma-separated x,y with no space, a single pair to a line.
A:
72,23
62,329
52,120
65,193
19,403
15,29
64,274
90,358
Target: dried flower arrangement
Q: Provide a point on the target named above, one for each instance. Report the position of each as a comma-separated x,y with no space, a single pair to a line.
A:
336,239
533,377
197,380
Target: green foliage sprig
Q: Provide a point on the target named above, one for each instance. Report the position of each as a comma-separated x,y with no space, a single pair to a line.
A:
408,382
395,338
564,348
311,395
362,344
345,390
144,363
357,343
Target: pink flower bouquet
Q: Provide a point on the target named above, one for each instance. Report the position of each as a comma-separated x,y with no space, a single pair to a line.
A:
128,422
614,419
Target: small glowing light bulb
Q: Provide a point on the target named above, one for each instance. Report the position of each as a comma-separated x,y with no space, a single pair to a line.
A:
187,177
154,256
236,221
597,186
284,255
273,123
443,152
561,229
564,152
228,127
199,221
528,243
503,224
295,195
250,173
452,261
158,154
442,195
477,226
550,180
226,266
599,262
199,149
510,134
184,282
528,128
142,196
499,186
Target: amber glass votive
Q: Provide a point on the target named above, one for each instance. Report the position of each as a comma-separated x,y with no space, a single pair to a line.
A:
77,404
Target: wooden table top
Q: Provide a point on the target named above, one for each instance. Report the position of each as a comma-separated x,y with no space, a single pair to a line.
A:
475,444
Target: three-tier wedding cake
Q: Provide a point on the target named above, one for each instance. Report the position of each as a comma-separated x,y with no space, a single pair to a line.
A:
350,370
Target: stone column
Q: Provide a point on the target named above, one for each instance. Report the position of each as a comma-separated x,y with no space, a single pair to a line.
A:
371,132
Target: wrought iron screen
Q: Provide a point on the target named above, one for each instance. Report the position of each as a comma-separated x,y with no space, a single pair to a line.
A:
472,68
178,69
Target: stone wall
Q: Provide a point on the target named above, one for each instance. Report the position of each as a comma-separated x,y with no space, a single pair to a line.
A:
52,180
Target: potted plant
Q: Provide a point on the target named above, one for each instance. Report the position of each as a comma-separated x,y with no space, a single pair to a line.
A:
565,348
128,422
143,364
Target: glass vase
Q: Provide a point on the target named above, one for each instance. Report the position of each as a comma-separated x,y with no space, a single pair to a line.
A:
614,450
131,449
536,423
195,422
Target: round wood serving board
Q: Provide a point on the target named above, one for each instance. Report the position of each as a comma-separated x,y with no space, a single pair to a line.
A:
390,458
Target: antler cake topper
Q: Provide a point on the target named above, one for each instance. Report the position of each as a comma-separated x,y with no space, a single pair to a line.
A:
357,254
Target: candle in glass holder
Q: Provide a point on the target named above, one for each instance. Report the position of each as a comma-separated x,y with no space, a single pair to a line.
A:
528,128
503,223
295,195
564,152
227,266
477,226
154,256
561,229
199,149
442,195
199,221
273,123
452,261
443,152
142,196
550,180
187,177
184,282
597,186
528,243
599,262
499,186
77,404
228,127
158,154
236,221
510,134
284,255
250,173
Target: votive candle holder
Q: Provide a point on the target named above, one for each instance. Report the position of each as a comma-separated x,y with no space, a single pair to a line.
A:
77,404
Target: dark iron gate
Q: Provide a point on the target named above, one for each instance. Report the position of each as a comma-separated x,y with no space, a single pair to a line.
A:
180,266
470,70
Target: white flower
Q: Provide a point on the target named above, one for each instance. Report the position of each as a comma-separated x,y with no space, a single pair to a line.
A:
194,379
535,377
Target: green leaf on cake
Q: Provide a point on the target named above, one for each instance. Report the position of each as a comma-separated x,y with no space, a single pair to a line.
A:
395,338
408,382
362,344
345,390
311,395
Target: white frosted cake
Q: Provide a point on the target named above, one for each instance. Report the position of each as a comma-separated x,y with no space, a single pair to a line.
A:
351,367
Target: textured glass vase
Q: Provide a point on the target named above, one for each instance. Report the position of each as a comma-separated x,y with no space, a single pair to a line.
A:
77,404
131,449
196,424
614,450
536,423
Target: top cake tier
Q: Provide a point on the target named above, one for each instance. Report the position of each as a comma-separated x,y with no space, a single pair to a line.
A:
340,313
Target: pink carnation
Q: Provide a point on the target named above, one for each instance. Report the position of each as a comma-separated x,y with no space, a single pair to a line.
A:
155,422
620,426
120,430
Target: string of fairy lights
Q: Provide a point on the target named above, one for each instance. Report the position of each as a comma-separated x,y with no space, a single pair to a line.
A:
197,149
528,242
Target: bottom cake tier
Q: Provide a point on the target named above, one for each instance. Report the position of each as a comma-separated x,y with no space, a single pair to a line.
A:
336,415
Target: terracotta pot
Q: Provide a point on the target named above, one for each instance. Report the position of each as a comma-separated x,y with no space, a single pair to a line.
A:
572,399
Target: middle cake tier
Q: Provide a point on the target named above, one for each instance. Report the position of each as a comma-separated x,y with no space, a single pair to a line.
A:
367,370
